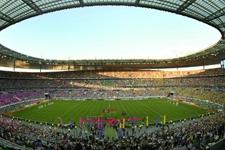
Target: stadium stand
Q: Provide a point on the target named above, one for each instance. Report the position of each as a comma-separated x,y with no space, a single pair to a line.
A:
195,134
183,83
113,79
205,85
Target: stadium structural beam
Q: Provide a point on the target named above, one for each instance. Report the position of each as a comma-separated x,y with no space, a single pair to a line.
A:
81,2
185,5
221,25
32,5
215,15
68,67
6,17
137,2
14,65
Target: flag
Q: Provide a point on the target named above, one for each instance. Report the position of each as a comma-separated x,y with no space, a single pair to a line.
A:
101,129
147,121
71,124
81,123
133,122
164,119
119,133
123,123
120,125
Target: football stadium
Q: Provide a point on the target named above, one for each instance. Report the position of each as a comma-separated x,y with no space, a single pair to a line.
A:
113,103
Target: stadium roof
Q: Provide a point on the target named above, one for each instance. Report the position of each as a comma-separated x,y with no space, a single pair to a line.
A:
211,12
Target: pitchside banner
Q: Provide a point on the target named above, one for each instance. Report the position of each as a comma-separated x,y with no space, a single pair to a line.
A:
110,121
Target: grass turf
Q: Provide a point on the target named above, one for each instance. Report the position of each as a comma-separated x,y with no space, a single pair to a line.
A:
73,110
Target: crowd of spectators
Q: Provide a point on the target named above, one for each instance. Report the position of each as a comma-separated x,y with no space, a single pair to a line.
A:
113,74
211,94
12,97
205,85
81,93
197,134
214,82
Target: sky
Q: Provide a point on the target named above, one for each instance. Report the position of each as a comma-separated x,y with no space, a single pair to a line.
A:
109,32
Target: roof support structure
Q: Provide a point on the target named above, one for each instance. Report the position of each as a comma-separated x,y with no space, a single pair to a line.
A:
81,2
185,5
6,17
137,2
222,25
32,5
215,15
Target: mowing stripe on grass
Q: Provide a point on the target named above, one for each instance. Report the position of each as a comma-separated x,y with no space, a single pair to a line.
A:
74,109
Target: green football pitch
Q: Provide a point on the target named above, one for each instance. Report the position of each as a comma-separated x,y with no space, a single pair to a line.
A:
56,111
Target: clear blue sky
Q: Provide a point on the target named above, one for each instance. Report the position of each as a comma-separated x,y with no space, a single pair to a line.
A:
109,33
